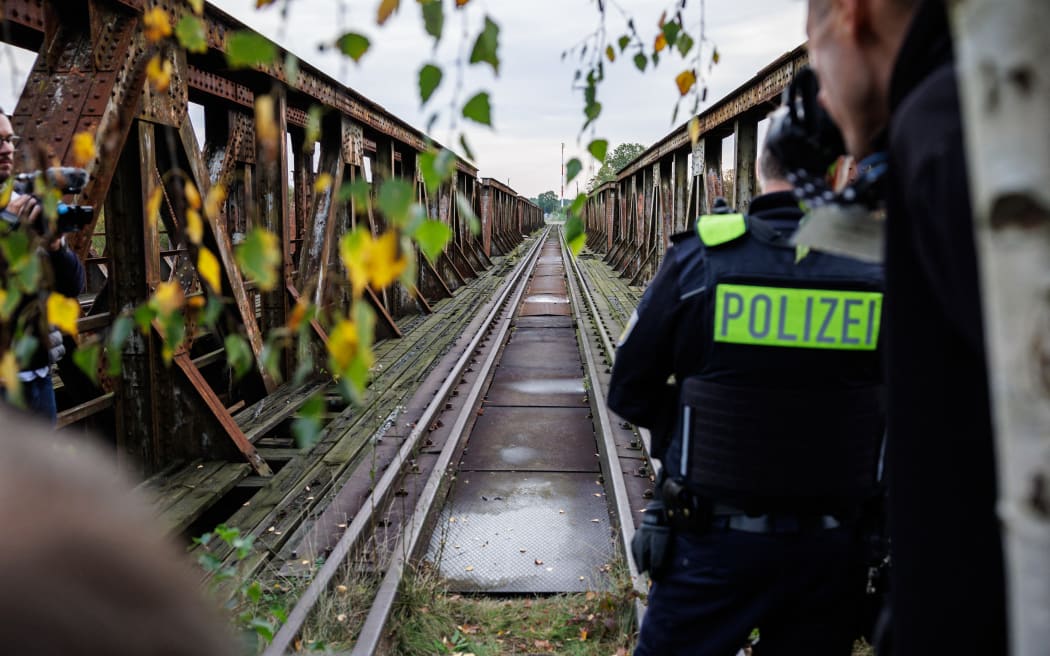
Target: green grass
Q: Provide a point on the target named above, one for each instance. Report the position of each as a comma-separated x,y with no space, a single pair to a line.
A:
429,621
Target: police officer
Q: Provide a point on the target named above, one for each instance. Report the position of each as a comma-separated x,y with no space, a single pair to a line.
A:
757,371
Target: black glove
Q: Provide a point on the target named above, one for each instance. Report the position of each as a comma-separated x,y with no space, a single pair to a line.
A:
651,545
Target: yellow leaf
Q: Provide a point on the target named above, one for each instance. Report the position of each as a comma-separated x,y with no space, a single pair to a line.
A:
384,265
214,200
208,269
462,3
266,124
353,251
5,191
159,74
661,42
167,299
322,183
610,53
83,148
63,312
694,131
9,374
194,226
715,56
198,6
386,7
193,197
343,344
157,24
685,81
297,315
153,205
583,635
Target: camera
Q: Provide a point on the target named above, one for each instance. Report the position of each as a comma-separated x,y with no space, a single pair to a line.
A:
806,141
802,136
68,180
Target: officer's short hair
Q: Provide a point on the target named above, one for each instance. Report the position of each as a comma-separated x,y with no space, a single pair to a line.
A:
769,167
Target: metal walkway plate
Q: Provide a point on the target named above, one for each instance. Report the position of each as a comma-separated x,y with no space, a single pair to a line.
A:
544,322
524,439
523,532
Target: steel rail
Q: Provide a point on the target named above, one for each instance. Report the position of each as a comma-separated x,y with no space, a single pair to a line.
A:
606,442
384,486
372,631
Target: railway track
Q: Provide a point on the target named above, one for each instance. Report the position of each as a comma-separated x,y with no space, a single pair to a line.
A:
515,479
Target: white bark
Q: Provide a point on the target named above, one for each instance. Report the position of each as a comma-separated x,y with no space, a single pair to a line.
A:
1003,52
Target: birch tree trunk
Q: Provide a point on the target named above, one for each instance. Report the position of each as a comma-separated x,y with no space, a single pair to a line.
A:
1003,54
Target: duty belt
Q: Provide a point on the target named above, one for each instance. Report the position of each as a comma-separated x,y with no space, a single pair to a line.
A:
687,512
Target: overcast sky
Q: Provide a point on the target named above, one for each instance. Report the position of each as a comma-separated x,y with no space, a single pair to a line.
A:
535,108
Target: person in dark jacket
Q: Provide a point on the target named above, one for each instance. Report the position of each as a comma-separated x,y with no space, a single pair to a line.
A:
768,435
66,276
886,72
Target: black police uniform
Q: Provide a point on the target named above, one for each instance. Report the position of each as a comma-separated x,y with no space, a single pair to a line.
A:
759,377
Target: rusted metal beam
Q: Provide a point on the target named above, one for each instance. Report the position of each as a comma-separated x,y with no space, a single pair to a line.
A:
219,239
764,88
272,189
212,402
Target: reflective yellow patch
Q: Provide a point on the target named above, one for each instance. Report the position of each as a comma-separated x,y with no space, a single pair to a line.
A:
800,318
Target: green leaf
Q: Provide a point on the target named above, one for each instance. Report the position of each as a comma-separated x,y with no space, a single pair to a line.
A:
572,169
24,349
624,42
357,191
395,200
465,145
671,31
291,68
262,627
246,48
86,358
574,235
432,236
191,35
353,45
307,426
254,592
486,45
271,356
640,61
313,127
477,109
466,211
118,336
10,303
258,256
238,355
592,111
26,273
429,79
436,168
685,43
433,18
144,316
577,204
598,148
212,311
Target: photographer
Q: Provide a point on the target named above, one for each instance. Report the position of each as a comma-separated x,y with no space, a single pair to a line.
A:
67,278
887,78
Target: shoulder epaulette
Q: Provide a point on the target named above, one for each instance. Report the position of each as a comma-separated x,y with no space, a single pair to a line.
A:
718,229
